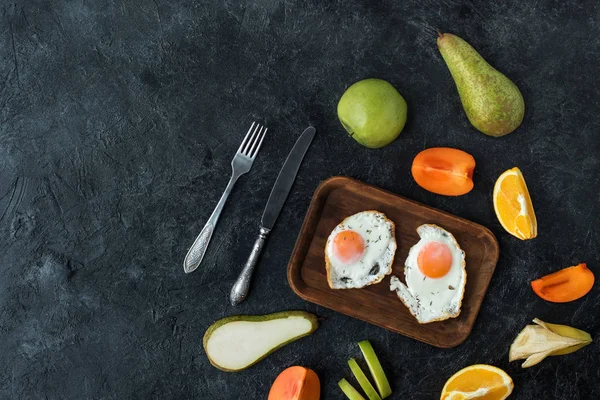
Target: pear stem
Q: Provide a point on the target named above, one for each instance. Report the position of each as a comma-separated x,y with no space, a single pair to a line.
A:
440,34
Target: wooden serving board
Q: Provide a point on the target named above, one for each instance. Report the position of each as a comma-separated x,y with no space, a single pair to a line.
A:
339,197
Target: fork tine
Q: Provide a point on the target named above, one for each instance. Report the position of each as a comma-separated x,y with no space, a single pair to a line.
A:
245,140
252,140
255,150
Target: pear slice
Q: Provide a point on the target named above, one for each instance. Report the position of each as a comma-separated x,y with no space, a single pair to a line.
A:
349,390
363,380
235,343
375,367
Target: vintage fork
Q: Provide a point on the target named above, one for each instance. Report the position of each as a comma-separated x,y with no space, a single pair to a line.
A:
241,163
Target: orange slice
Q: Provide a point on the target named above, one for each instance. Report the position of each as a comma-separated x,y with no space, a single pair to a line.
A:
480,381
512,204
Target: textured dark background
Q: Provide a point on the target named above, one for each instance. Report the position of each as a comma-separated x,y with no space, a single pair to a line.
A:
118,121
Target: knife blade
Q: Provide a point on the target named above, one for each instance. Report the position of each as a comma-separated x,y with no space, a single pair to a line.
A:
286,178
277,198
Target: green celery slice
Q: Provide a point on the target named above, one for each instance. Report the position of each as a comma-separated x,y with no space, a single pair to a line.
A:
363,380
349,390
375,367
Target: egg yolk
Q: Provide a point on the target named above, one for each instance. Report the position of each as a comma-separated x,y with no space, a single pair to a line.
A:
348,246
435,260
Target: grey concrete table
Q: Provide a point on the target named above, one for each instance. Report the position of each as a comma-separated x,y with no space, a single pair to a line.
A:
118,121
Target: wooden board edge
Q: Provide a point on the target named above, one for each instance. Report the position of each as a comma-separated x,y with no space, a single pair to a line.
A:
309,226
320,195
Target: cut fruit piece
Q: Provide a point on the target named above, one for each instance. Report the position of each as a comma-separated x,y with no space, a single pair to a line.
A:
375,367
565,285
235,343
513,206
570,332
536,342
363,381
444,170
349,390
478,381
296,383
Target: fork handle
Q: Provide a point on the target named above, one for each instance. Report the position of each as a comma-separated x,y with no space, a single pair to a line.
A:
241,287
196,253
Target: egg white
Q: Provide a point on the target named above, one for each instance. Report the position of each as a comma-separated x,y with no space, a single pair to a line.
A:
378,233
432,299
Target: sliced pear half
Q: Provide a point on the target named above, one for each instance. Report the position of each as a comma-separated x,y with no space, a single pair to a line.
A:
235,343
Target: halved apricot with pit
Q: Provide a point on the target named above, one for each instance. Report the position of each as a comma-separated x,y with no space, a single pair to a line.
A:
444,170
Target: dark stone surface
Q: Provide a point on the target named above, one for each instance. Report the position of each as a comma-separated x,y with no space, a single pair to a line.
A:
118,122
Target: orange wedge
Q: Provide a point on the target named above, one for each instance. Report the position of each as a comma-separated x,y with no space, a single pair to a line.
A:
512,204
480,381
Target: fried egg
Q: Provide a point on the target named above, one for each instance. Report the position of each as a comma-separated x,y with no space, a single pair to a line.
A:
435,276
360,250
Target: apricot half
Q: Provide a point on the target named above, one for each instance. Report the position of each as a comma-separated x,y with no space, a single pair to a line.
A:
296,383
444,170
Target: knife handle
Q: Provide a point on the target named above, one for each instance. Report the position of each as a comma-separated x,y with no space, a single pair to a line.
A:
241,287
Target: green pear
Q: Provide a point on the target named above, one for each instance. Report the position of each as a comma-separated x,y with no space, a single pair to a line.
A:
235,343
493,103
373,112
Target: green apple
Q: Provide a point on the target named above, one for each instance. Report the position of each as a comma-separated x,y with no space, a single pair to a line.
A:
363,380
374,365
373,112
349,391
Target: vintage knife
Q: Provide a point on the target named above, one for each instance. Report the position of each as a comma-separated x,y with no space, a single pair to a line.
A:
279,194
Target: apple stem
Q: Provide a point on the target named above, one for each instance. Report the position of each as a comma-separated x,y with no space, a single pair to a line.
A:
440,34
